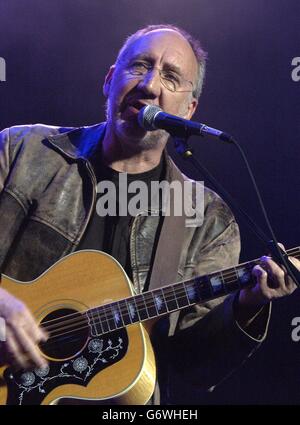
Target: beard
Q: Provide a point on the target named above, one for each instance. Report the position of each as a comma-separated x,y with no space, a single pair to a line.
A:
135,136
132,135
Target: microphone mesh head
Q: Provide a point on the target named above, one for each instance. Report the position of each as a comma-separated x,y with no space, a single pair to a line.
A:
146,117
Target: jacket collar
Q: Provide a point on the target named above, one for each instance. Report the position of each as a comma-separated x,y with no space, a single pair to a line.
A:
79,143
84,142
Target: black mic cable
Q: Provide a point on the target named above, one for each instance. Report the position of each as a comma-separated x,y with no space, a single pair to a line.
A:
152,118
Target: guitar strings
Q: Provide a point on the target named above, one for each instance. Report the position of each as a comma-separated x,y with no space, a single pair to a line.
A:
106,315
224,274
142,306
66,319
110,316
85,325
169,294
105,318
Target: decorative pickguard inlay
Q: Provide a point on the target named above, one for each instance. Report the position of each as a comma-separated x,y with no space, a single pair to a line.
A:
31,387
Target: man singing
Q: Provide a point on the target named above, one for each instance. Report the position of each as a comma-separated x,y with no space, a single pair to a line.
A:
48,183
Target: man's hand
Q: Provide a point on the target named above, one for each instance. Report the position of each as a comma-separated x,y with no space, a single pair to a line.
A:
272,282
22,334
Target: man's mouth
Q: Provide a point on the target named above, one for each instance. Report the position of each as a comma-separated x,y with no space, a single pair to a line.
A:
131,109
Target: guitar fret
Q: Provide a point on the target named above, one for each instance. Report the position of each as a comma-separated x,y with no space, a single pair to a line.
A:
134,317
224,288
232,283
216,282
123,312
243,275
170,299
126,313
204,288
151,305
116,315
105,323
186,294
190,291
92,323
136,309
160,302
141,307
175,298
99,323
180,294
164,298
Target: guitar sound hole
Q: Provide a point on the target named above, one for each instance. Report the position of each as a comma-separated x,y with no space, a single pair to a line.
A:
67,334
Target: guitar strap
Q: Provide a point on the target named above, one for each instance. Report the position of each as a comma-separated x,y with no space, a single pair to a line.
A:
167,257
168,251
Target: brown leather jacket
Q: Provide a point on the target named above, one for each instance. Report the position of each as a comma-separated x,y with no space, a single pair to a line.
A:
48,189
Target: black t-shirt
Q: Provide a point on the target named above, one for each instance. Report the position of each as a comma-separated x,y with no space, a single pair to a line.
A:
111,233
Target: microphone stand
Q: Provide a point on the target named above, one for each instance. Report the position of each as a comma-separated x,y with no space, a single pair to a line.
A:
278,254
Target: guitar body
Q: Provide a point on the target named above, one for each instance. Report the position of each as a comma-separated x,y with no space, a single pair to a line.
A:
98,351
115,368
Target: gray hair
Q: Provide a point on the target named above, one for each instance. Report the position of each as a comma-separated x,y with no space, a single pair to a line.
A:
200,54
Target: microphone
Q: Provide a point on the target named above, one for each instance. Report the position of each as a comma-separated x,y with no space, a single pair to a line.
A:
152,118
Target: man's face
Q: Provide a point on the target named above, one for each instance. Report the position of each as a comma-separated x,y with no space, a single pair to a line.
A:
166,50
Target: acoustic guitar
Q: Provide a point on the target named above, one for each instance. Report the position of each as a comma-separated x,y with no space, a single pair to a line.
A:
99,349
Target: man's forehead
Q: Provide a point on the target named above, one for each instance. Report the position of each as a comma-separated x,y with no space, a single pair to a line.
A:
159,39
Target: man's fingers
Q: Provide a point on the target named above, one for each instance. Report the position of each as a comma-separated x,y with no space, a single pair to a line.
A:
276,275
22,333
14,354
295,261
272,279
28,347
37,333
288,282
261,275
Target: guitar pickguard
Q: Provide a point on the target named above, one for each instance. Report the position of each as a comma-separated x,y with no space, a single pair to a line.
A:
31,387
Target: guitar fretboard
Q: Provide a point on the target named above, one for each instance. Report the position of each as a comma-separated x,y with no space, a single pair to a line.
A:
158,302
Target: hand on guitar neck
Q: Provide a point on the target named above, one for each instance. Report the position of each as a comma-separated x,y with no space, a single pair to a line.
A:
272,282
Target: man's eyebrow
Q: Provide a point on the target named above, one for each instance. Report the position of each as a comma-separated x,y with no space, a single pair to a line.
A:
148,58
173,68
142,56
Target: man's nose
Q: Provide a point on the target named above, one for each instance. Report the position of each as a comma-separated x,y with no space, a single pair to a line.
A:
150,83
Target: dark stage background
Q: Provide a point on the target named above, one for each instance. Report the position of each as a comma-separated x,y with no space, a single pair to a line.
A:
57,53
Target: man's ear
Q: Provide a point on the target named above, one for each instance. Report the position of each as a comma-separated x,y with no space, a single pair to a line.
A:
107,81
192,106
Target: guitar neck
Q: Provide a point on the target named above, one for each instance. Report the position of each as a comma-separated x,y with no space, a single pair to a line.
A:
167,299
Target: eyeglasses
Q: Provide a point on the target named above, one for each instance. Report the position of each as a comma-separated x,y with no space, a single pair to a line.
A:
169,79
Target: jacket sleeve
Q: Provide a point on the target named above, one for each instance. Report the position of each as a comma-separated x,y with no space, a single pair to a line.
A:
4,157
207,344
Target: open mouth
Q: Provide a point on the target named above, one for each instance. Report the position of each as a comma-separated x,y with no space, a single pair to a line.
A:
131,109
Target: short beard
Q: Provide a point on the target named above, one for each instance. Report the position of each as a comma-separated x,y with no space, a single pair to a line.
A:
151,140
